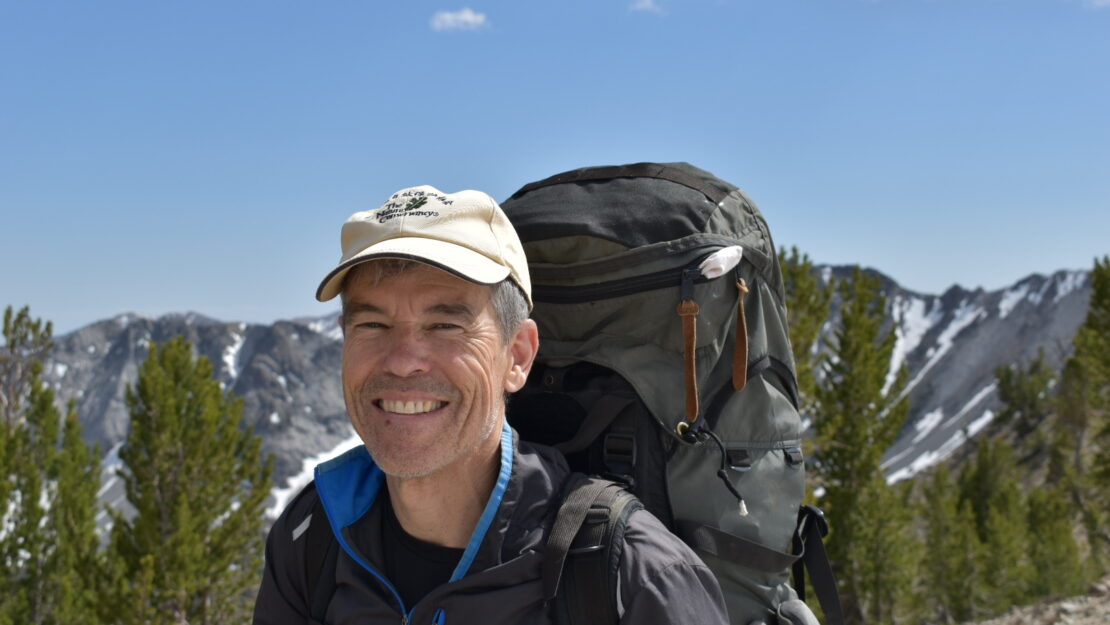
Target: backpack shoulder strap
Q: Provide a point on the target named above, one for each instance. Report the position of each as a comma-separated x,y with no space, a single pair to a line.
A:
583,552
320,553
809,539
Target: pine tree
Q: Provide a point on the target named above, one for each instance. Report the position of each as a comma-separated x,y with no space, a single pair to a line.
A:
1081,451
1025,394
856,423
1057,570
197,481
1092,350
26,341
807,306
990,488
48,481
886,551
951,565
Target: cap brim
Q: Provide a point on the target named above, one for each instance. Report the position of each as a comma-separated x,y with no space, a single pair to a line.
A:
450,257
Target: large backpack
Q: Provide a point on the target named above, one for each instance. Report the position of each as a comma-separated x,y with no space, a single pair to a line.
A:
669,373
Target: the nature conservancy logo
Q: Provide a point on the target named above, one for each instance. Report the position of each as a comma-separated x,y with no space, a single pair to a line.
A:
407,203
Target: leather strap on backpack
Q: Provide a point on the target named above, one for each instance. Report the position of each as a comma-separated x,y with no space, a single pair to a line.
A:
688,310
740,349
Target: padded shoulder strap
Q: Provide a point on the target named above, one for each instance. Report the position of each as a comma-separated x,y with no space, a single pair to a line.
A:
581,572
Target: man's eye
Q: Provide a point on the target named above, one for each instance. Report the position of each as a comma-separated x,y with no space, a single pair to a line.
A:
370,325
445,326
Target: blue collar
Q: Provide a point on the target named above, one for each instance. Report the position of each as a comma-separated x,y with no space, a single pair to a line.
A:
348,485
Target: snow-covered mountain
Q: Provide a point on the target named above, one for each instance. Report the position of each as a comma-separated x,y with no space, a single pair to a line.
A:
951,345
288,372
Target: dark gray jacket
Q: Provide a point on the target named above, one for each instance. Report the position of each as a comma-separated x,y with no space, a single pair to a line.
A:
498,579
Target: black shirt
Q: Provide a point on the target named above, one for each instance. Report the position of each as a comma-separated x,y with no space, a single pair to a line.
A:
413,566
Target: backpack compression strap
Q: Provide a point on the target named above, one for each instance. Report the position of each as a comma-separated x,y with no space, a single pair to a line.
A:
809,554
583,552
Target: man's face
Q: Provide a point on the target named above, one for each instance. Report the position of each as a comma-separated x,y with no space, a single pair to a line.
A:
425,369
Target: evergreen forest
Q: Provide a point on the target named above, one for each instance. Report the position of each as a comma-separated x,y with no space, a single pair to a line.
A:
1019,515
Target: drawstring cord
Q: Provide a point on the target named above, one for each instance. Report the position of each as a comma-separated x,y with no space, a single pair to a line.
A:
723,473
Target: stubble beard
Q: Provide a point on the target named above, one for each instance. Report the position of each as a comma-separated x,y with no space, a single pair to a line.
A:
397,458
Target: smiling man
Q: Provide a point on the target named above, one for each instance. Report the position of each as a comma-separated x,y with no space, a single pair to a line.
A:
443,513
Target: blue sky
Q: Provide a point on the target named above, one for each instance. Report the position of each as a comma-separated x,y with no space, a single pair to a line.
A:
201,156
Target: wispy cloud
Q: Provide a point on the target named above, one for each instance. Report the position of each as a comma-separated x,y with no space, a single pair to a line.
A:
1098,4
651,6
463,19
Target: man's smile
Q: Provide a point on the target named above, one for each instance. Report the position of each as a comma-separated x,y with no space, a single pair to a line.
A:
409,407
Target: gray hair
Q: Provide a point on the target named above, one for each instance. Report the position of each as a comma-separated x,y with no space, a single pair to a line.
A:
510,307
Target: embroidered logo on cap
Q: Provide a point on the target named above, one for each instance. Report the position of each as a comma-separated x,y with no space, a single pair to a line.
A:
395,208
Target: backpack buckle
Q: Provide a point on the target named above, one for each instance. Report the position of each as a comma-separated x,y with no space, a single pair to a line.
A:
618,452
810,513
739,459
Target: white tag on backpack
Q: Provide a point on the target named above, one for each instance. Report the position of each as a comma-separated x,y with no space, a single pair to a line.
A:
721,262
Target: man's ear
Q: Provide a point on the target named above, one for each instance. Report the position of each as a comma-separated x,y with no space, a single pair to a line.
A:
525,345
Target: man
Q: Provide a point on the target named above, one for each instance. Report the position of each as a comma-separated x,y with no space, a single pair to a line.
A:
443,513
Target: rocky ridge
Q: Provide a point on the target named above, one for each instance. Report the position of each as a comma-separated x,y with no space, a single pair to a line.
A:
288,372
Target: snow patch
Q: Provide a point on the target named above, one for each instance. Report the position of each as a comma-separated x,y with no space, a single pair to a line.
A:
911,323
964,316
110,467
283,382
329,327
294,484
1011,299
274,418
980,423
927,424
1071,281
930,458
973,402
1038,297
91,349
231,354
60,369
127,319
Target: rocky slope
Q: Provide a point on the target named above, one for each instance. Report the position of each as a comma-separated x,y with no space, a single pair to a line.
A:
1090,609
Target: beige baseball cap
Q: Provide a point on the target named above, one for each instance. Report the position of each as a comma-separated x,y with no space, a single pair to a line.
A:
465,233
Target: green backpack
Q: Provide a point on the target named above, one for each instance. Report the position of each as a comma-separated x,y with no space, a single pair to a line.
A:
665,364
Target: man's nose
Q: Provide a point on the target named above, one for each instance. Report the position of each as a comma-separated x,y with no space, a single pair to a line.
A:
407,353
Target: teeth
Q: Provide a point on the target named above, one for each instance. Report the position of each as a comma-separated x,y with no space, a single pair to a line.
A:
409,407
